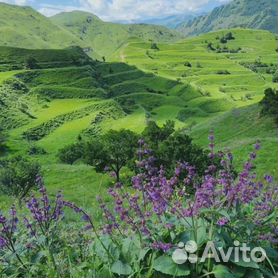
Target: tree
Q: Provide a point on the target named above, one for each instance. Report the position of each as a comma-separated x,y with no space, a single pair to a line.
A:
2,140
154,46
187,64
229,36
275,77
155,134
269,104
179,147
71,153
114,150
31,63
223,40
18,176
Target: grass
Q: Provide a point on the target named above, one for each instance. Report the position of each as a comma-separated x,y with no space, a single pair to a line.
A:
216,96
104,38
159,88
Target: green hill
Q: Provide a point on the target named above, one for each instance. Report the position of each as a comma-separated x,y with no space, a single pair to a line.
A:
25,27
103,38
200,83
259,14
229,79
49,107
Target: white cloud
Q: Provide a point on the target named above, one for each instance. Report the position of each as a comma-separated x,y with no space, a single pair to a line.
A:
117,10
137,9
17,2
50,10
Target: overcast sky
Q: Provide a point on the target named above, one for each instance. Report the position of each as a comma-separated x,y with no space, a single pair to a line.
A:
117,10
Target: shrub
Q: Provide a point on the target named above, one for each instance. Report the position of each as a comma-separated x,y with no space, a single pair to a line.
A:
71,153
198,65
275,77
31,63
2,142
148,229
269,104
18,176
223,72
210,46
229,36
154,46
15,85
36,150
223,40
187,64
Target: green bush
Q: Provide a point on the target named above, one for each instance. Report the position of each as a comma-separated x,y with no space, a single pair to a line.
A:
154,46
18,176
269,104
223,72
71,153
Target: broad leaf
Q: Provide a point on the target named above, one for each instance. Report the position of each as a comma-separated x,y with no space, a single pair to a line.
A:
221,271
254,273
166,265
250,264
121,268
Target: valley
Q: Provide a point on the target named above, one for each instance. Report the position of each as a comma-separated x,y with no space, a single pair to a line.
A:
181,82
127,149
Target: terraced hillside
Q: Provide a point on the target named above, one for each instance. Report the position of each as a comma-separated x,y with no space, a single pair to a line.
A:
222,70
46,109
229,77
194,82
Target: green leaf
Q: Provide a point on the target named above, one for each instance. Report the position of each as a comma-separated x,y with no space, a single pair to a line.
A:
121,268
250,264
202,235
166,265
225,214
254,273
271,253
221,271
143,252
238,271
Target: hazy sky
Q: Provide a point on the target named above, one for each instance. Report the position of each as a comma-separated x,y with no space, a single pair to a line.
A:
114,10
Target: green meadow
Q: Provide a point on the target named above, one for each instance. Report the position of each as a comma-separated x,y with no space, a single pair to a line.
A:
197,87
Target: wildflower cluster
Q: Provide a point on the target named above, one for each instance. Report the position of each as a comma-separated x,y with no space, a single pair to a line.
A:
145,222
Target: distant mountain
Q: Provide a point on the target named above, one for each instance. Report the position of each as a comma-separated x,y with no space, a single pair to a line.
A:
25,27
255,14
105,37
172,21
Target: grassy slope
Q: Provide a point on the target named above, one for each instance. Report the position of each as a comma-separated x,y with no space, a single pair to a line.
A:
259,14
15,58
27,28
80,182
24,27
227,93
158,96
103,38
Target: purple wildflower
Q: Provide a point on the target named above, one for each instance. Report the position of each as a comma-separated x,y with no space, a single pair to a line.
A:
223,221
3,243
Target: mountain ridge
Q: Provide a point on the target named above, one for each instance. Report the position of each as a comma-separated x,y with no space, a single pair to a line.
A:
22,26
106,37
261,14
